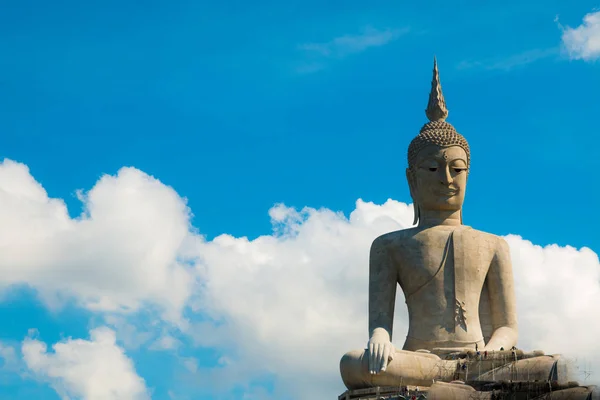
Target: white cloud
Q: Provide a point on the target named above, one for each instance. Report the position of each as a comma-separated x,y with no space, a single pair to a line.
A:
350,44
130,334
558,295
90,370
583,42
120,254
507,63
190,363
165,342
286,305
294,302
10,359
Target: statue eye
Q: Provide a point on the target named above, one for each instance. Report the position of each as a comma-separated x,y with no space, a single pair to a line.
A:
432,169
458,170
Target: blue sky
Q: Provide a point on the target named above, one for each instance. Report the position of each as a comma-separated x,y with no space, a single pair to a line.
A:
239,106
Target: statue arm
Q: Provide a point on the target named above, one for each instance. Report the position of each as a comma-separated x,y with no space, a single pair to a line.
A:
383,280
502,299
382,295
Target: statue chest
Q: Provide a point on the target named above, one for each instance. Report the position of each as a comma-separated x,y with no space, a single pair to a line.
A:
442,274
444,268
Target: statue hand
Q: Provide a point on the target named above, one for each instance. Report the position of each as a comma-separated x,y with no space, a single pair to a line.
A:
380,351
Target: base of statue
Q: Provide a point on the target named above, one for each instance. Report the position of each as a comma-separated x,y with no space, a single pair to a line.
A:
386,392
494,375
478,390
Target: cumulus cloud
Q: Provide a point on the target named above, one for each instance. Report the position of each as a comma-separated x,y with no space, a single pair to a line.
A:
583,41
283,307
558,294
293,301
91,370
119,254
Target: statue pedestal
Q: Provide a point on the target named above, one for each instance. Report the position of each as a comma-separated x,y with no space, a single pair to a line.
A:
385,392
478,391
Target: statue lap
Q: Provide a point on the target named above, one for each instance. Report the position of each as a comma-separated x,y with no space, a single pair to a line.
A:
407,368
421,368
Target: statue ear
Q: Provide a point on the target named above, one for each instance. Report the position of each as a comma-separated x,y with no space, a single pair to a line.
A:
410,177
417,213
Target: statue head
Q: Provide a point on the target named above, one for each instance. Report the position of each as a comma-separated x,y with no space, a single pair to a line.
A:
438,159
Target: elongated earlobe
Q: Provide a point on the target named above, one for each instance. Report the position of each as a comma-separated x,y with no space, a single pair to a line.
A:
411,187
417,213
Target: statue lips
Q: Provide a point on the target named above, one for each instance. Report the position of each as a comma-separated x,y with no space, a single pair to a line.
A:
446,192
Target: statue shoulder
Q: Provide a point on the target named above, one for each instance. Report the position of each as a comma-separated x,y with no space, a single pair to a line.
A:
394,238
495,242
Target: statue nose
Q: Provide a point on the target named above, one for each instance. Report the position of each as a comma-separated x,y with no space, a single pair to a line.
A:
445,176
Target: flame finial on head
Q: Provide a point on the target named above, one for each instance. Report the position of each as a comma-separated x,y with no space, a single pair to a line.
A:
436,107
437,131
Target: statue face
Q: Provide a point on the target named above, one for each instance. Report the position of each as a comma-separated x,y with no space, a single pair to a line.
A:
440,178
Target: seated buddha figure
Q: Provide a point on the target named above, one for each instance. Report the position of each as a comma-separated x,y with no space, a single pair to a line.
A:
457,282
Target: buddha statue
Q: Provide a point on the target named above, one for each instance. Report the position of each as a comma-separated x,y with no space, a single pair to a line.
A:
457,283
